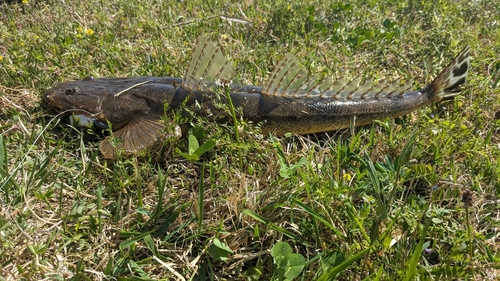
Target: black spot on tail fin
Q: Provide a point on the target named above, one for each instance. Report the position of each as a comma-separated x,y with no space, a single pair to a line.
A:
451,77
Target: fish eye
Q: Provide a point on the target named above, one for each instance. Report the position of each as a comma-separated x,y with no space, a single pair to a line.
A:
71,91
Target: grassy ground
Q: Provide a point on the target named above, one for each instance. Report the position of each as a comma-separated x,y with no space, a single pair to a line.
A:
376,203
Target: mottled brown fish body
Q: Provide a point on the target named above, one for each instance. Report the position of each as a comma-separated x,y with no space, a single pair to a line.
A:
283,115
289,102
305,116
280,114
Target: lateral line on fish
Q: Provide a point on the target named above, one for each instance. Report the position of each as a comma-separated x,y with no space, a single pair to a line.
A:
130,88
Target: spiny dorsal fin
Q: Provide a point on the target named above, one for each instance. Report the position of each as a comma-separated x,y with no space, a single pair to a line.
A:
208,67
288,79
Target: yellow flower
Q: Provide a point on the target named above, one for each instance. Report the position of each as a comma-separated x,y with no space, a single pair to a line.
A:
25,1
347,177
1,58
89,31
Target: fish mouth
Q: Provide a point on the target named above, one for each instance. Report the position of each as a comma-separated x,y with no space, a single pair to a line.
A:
47,98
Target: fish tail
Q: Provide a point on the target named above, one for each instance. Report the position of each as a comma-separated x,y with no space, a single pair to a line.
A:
447,82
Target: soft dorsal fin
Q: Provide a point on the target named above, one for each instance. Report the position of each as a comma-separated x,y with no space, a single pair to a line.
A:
288,79
208,67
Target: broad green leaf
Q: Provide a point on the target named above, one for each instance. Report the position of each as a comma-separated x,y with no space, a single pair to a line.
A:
192,144
280,251
294,266
37,249
221,245
189,157
210,144
219,250
288,264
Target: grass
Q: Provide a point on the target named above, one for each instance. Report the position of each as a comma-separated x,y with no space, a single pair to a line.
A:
375,203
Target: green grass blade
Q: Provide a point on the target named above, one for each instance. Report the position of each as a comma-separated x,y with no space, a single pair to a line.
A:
417,251
333,272
310,211
201,197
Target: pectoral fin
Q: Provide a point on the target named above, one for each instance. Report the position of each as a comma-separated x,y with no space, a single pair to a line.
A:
138,135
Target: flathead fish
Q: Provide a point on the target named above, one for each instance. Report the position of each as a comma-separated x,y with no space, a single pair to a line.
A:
291,101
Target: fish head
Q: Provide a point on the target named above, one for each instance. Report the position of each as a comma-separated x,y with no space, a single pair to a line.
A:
132,106
97,101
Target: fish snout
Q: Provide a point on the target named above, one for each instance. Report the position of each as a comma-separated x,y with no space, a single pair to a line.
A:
48,98
84,108
58,98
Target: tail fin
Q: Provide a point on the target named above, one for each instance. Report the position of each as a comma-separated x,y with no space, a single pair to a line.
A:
446,83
